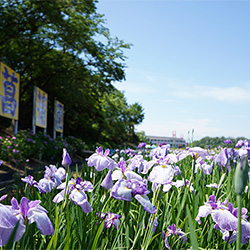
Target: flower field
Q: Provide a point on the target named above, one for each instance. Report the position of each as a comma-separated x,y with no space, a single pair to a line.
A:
144,198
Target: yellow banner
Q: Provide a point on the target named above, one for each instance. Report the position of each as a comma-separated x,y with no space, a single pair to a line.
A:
59,107
41,108
9,92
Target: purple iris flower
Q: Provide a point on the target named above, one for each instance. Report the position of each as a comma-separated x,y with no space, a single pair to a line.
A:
241,143
204,166
228,141
161,174
1,162
160,151
52,172
176,232
195,152
32,211
171,159
3,197
127,189
129,152
107,182
227,221
224,157
111,219
27,212
7,223
29,180
100,160
209,206
76,190
142,145
66,160
244,152
137,162
163,161
177,170
213,185
177,184
148,166
52,178
122,172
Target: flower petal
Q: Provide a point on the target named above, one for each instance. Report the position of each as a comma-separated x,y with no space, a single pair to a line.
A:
224,219
146,203
42,221
204,211
161,174
120,191
7,223
78,196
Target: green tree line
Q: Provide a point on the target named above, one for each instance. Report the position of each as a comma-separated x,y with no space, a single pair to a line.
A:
215,142
64,48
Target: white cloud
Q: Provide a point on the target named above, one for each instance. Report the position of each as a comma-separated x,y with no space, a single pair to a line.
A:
165,100
229,94
150,83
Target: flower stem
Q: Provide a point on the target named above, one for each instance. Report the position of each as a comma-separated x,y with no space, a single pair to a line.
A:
126,209
238,243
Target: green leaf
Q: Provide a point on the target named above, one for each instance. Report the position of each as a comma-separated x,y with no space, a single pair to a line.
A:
97,236
194,242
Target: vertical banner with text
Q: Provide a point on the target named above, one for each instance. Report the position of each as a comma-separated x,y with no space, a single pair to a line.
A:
9,92
41,104
58,113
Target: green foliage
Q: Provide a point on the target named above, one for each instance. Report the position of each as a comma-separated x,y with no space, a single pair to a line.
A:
64,48
142,136
119,118
25,145
215,142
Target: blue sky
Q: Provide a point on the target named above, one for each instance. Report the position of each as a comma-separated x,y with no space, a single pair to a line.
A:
189,66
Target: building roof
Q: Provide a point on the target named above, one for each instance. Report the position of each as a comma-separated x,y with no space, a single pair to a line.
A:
151,137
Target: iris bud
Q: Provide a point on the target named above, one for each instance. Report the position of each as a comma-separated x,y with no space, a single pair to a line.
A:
241,176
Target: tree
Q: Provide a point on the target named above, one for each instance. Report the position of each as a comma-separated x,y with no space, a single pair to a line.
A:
119,118
62,47
142,137
134,117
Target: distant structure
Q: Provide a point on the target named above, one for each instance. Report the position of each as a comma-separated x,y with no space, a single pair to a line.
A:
172,141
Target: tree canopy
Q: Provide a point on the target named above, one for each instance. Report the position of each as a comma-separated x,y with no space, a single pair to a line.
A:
214,142
64,48
120,118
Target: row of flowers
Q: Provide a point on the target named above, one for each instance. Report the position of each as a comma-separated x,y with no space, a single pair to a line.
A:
129,175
